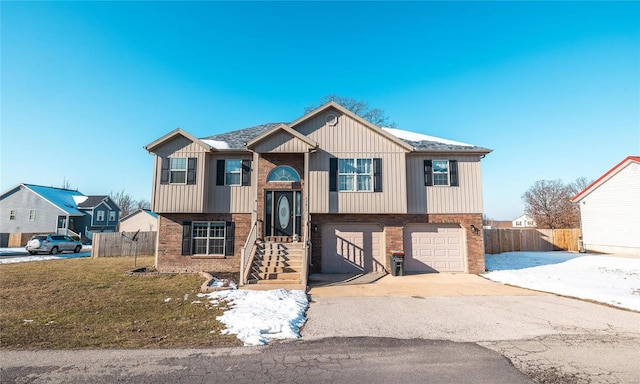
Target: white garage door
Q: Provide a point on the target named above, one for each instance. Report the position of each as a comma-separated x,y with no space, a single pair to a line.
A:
352,248
434,248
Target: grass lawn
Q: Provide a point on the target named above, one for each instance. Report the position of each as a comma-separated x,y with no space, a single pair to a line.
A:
92,303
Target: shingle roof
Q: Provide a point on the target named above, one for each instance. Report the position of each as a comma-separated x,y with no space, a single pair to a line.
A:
237,140
92,201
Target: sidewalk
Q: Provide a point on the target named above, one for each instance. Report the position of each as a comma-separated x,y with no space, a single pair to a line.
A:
419,285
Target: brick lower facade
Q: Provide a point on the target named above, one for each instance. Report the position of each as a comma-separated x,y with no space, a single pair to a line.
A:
169,256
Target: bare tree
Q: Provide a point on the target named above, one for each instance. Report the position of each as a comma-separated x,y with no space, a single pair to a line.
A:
359,107
579,184
124,201
66,184
549,203
143,204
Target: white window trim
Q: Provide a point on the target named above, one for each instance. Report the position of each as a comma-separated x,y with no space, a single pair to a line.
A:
238,172
12,214
32,215
209,224
448,173
112,216
172,170
355,175
272,173
98,214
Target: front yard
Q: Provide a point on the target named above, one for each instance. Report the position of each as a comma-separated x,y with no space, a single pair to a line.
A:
92,303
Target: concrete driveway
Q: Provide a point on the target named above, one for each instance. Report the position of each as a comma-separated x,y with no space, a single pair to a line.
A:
549,338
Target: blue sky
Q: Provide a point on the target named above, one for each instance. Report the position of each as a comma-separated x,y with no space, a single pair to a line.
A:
552,87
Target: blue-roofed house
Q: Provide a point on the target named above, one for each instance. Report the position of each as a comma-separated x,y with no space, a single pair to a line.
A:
29,209
142,220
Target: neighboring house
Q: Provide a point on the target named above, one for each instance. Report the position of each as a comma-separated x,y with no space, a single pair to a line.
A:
610,210
141,220
524,221
330,186
495,224
28,208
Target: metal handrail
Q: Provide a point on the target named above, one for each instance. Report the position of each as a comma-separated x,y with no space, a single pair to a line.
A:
244,257
306,250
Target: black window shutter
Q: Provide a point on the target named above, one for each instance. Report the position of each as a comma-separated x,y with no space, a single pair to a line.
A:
377,175
453,173
229,239
246,172
333,174
192,166
428,173
186,238
220,173
164,173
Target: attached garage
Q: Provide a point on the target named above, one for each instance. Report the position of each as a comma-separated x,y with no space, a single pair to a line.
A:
352,248
434,248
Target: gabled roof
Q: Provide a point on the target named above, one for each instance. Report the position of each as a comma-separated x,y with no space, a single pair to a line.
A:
176,132
238,139
283,127
62,198
94,201
140,211
602,179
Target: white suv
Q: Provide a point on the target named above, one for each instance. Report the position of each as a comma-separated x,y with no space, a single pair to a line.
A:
52,244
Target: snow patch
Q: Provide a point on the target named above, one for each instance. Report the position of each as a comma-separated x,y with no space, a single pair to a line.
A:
216,143
413,136
257,317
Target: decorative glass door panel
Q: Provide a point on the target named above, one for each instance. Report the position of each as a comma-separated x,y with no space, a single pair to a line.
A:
283,213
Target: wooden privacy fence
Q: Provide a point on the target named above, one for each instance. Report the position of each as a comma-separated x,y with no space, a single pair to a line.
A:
111,244
500,240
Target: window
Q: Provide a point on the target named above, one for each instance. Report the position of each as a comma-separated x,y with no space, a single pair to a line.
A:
12,214
208,238
518,223
32,215
283,173
441,173
100,216
178,170
112,216
233,172
356,175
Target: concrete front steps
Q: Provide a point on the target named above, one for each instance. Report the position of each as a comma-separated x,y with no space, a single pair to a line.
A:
276,265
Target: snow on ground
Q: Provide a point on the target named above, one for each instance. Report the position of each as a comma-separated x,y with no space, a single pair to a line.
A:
20,255
606,279
257,317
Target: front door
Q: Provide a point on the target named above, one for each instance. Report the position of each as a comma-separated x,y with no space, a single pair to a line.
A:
282,213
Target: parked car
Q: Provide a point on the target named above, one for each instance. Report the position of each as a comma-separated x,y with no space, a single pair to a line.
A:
52,244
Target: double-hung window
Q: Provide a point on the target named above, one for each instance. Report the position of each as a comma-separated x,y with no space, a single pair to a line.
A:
441,173
233,172
32,215
100,216
208,238
112,216
355,175
178,170
12,214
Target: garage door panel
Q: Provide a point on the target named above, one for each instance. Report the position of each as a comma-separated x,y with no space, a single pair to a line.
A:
433,248
352,248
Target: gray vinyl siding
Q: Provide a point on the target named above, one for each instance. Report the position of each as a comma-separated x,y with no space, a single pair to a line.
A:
466,198
180,197
228,198
22,201
281,142
351,139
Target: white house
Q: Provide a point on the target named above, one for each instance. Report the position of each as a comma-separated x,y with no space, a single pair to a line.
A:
523,221
610,210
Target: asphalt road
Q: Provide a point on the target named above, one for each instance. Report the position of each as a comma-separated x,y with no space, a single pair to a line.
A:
550,338
332,360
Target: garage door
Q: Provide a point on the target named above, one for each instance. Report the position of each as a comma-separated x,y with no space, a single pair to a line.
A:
352,248
434,248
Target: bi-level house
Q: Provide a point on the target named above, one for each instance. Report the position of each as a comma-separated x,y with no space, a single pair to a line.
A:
328,193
